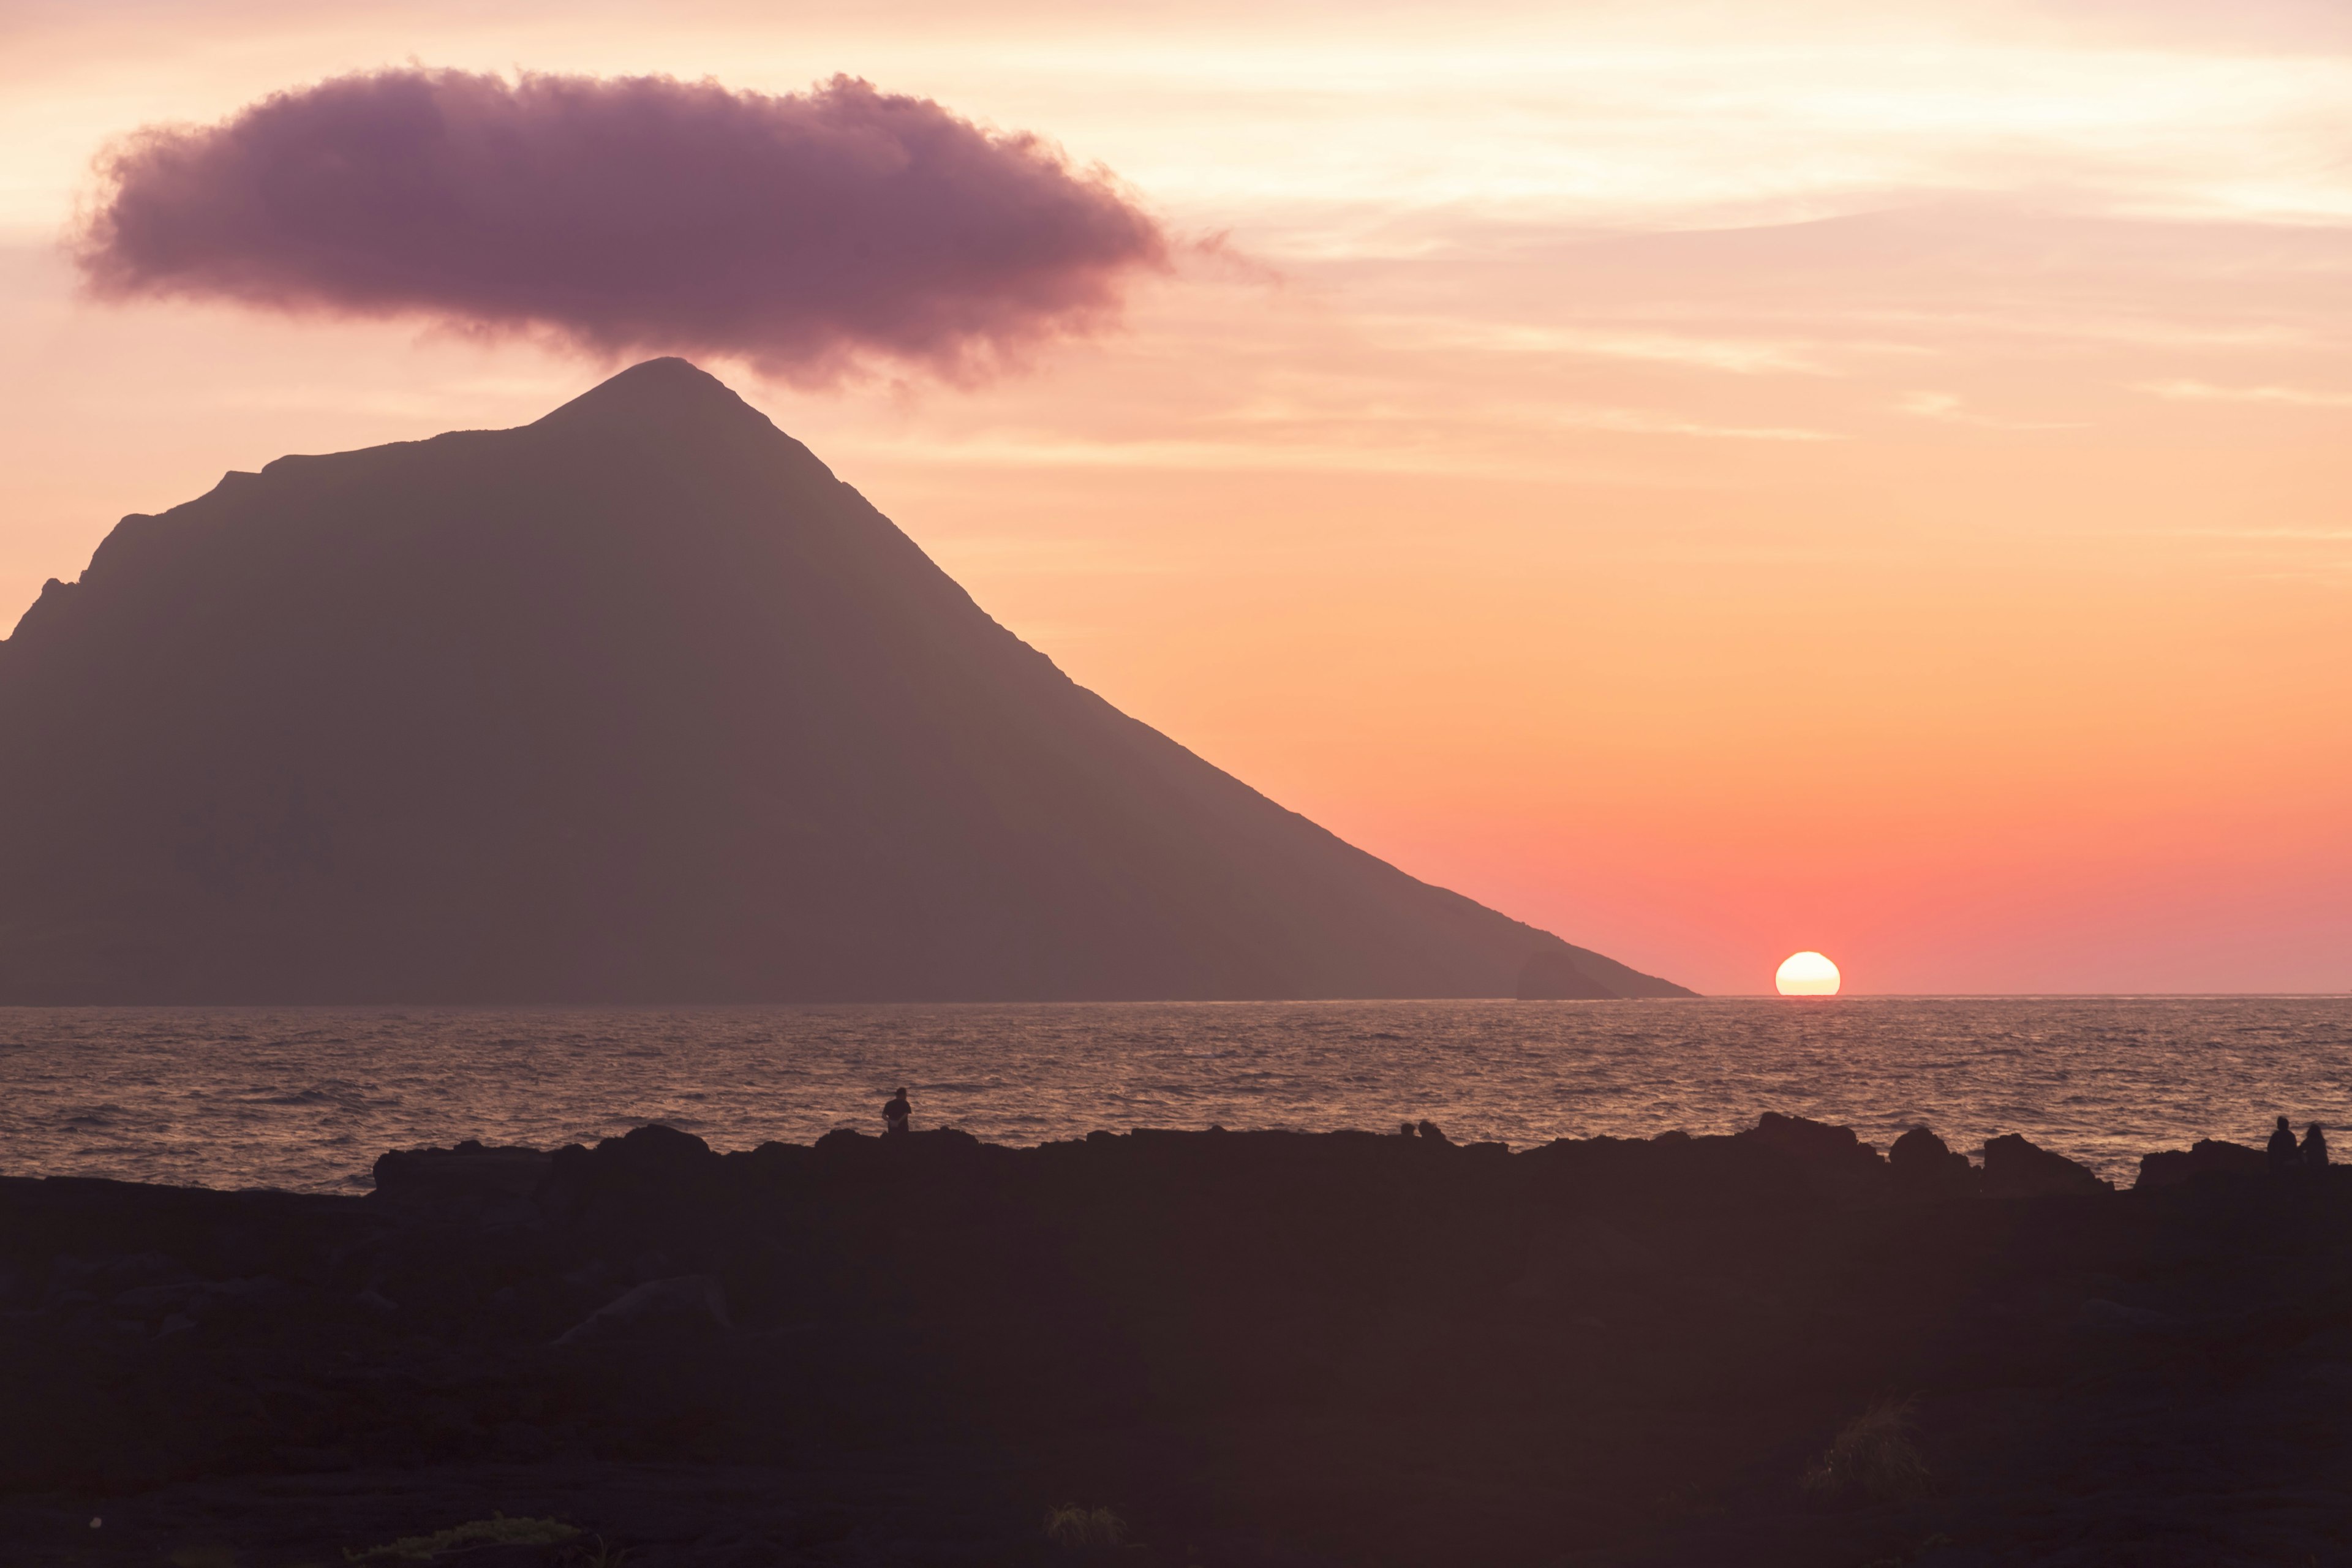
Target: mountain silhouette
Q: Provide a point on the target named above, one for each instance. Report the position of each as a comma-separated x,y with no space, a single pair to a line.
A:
636,702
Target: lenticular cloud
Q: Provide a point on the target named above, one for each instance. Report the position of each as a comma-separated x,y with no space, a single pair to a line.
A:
808,233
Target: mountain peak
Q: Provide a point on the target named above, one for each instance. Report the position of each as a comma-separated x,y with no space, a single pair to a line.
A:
656,389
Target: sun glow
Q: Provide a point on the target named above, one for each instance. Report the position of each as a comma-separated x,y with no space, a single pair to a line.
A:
1807,974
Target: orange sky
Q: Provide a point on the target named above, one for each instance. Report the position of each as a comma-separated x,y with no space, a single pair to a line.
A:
1712,480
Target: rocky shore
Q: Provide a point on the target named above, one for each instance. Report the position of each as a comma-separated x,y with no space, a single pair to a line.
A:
1160,1348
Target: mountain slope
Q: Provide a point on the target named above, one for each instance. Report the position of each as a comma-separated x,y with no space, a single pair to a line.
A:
634,702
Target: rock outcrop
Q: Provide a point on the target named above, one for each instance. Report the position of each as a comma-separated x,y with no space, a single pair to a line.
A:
1254,1348
2014,1168
1924,1170
658,1308
2207,1156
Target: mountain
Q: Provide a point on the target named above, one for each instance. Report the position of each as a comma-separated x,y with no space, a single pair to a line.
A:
636,703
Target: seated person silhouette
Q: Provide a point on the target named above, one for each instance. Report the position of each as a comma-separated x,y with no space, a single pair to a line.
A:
895,1113
2314,1148
2284,1155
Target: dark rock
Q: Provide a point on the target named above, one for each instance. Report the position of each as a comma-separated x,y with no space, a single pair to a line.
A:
689,1304
157,1300
299,1460
1258,1348
520,1443
2014,1168
1924,1171
1838,1165
106,1276
469,1171
2101,1316
633,1183
2207,1156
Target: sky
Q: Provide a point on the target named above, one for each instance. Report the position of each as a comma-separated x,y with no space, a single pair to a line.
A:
1711,480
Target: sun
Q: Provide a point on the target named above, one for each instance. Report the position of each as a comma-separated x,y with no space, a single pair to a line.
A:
1807,974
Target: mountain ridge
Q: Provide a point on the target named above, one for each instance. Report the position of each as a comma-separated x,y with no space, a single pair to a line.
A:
638,702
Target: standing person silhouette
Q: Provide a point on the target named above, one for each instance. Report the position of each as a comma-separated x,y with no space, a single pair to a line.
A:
2314,1148
895,1114
2284,1155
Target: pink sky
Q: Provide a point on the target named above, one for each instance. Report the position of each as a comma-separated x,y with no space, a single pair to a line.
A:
1711,480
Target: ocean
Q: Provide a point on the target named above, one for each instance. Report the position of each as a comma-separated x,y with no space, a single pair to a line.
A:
305,1098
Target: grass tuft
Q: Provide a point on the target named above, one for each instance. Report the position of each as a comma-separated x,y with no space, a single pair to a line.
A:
1074,1529
1874,1454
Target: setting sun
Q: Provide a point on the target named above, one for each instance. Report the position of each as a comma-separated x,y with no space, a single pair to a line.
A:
1807,974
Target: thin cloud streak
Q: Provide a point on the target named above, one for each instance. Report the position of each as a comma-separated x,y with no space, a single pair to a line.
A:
2205,392
1632,422
2276,536
1368,457
1948,408
1732,355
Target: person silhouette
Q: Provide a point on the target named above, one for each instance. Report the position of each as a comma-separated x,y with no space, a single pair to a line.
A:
2314,1148
2282,1152
895,1113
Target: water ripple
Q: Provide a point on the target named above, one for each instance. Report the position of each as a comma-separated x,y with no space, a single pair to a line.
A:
303,1098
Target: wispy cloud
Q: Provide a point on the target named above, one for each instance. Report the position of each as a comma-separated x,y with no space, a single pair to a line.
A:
1634,422
1009,555
2206,391
1368,451
2288,536
1950,409
1048,450
1738,356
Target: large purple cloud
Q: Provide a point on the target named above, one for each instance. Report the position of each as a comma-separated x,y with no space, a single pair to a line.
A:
808,232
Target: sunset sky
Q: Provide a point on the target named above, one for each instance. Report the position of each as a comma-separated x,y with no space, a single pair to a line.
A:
1711,480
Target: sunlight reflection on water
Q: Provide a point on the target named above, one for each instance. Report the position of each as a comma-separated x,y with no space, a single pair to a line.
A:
306,1098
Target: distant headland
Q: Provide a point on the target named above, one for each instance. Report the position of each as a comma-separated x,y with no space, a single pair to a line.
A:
638,702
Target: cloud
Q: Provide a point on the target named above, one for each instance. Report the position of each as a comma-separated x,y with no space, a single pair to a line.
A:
809,234
1632,422
1737,356
1950,409
2203,392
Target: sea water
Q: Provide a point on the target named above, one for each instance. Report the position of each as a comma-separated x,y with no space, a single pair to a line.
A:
306,1097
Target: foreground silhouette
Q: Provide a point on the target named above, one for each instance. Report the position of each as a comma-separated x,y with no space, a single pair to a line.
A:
1777,1348
638,702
